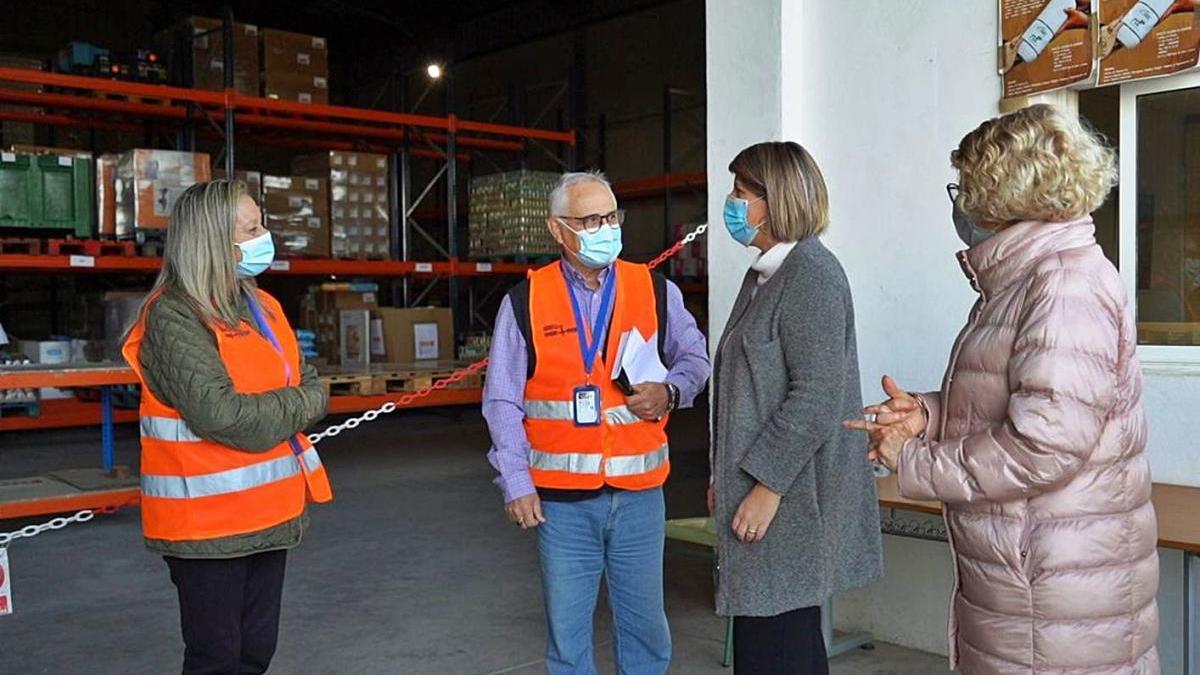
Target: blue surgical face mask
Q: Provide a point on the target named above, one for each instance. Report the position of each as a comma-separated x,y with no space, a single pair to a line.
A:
257,255
737,220
970,233
599,249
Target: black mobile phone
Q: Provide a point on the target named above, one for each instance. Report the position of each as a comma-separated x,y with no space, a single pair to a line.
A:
622,382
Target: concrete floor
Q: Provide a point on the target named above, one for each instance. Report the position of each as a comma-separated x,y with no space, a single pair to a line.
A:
413,569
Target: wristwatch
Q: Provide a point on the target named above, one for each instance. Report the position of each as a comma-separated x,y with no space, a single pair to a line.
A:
672,396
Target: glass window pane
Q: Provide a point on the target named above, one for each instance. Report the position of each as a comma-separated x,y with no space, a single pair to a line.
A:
1168,218
1101,110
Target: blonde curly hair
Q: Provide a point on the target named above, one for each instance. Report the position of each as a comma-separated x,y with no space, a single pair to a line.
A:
1038,163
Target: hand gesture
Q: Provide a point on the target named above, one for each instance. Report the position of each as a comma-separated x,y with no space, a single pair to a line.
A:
649,400
897,419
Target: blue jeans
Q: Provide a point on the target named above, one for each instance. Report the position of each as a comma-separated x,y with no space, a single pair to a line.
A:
619,535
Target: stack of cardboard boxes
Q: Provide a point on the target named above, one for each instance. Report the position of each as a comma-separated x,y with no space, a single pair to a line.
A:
295,67
269,62
252,179
353,330
296,211
358,201
148,183
203,65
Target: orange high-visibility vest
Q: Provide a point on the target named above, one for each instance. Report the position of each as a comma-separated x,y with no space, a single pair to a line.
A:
623,451
194,489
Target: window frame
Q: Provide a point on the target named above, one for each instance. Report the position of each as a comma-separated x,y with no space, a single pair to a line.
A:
1155,357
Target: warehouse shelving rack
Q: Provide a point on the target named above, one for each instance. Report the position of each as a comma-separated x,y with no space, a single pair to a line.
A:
233,118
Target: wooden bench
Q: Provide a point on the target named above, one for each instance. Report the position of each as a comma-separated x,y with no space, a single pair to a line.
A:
1177,506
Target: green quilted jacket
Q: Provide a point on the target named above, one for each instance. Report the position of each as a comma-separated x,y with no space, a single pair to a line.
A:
183,369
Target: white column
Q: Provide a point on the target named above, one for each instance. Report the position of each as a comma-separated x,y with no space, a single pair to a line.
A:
743,63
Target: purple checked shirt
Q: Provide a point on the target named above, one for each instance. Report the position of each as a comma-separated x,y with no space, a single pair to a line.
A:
687,364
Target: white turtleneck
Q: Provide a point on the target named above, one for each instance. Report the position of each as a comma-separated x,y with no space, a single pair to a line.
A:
769,261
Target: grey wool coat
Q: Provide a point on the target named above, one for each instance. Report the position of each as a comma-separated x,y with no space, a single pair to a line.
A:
786,376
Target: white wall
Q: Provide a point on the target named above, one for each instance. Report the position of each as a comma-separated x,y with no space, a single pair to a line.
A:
880,92
743,81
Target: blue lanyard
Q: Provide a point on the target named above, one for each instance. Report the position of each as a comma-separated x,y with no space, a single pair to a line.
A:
265,327
588,351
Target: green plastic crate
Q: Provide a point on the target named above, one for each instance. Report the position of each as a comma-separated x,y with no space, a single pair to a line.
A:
46,192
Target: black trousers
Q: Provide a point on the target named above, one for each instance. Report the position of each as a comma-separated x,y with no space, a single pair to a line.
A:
229,612
788,644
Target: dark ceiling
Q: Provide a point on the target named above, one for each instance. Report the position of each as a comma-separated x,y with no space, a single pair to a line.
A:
458,29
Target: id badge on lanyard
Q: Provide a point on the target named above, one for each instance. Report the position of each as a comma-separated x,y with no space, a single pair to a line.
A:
587,405
585,399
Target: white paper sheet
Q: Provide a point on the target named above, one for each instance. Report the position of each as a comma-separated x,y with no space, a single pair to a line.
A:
638,357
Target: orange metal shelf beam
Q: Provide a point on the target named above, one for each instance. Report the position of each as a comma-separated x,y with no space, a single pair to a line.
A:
24,378
75,413
54,263
97,499
655,186
332,117
294,266
64,413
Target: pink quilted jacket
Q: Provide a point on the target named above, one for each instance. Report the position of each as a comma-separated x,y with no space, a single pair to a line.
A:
1036,446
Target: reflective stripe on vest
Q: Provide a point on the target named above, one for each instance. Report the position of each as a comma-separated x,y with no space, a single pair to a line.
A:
562,411
589,463
222,482
168,429
633,465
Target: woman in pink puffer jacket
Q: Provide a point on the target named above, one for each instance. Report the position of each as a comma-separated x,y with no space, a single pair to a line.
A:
1036,442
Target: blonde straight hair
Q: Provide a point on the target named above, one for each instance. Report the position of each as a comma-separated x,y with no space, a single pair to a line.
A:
199,265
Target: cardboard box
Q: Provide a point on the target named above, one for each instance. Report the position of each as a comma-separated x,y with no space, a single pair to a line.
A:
359,206
417,334
47,352
252,179
204,62
148,184
354,337
296,209
325,316
295,66
106,195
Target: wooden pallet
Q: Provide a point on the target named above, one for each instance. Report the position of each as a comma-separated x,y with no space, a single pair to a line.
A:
416,380
91,247
21,245
352,385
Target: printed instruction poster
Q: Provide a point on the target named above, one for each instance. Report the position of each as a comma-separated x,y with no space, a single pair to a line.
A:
1140,39
1045,45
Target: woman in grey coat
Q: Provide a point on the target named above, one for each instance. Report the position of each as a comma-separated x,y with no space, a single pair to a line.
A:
792,492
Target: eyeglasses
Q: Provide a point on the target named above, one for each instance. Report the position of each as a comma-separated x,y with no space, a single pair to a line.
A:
953,190
592,224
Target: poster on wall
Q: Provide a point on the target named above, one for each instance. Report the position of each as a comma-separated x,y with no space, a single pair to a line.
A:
1045,45
1139,39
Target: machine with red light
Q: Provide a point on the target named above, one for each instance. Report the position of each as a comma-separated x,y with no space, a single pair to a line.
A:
85,58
